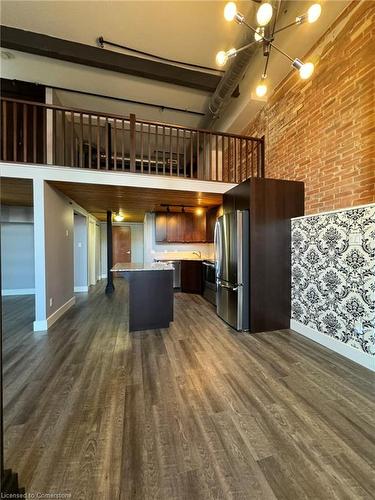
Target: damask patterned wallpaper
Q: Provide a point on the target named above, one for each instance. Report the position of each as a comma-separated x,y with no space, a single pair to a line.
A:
333,275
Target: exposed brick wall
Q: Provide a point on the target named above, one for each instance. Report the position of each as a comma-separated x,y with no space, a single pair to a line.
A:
322,131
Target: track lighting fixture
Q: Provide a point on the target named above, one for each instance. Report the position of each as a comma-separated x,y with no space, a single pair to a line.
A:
264,15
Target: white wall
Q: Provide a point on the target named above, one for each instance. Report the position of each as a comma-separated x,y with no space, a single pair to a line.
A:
154,250
136,243
17,258
80,253
59,252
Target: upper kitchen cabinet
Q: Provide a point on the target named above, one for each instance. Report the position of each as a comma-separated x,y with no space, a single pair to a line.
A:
211,216
180,227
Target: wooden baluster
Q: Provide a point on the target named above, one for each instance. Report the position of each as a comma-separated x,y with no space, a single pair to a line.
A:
132,142
170,152
141,147
198,157
247,158
242,177
72,162
123,144
34,134
210,176
252,158
163,150
98,142
15,135
149,147
229,161
178,152
217,157
90,141
25,133
114,144
184,146
191,154
44,135
63,136
204,155
156,149
53,138
4,125
81,140
106,143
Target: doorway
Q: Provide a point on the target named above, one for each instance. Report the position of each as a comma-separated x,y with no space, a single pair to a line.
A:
121,241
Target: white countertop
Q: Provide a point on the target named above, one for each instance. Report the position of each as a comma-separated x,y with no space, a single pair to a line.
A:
130,266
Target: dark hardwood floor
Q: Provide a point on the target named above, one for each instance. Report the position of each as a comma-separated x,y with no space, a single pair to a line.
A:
194,412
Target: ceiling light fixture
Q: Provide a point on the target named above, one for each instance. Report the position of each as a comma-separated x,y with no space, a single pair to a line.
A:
222,56
119,217
261,89
264,15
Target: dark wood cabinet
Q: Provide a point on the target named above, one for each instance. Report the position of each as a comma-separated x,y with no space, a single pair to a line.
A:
211,216
180,227
191,276
271,204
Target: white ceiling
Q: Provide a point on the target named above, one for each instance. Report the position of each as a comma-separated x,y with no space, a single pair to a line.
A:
190,31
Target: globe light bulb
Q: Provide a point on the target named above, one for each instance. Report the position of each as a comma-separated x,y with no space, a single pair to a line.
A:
259,34
221,58
264,14
314,12
230,10
306,70
119,217
261,89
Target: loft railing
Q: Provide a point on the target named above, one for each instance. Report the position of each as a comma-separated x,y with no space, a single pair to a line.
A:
43,133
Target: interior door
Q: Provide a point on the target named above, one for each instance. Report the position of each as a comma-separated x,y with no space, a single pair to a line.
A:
121,244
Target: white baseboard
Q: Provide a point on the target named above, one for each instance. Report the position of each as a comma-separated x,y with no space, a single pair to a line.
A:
18,291
360,357
78,289
46,323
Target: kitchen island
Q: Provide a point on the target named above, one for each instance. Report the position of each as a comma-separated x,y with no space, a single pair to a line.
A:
150,294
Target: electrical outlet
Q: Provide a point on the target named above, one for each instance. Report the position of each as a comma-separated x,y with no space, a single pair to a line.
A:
355,239
67,232
358,327
51,301
79,244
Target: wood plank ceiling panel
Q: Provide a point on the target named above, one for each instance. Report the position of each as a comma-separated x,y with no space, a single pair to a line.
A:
18,192
131,201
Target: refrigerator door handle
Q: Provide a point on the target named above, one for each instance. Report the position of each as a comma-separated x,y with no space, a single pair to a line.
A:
229,287
217,246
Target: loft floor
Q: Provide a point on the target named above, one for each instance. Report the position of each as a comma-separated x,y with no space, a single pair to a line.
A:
198,411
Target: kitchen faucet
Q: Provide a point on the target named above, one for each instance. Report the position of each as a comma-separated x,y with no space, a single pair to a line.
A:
198,254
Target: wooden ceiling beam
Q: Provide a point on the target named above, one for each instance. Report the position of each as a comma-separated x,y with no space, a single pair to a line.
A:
87,55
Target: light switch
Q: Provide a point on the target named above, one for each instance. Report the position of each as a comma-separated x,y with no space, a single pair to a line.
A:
355,239
79,244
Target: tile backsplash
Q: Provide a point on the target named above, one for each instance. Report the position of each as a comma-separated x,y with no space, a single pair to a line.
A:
333,275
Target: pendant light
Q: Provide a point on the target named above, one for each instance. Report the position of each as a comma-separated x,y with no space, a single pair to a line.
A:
264,15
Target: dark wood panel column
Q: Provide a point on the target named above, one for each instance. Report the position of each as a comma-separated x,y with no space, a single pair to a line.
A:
109,288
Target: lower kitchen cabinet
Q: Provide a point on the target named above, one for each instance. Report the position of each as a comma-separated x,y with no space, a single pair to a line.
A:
191,276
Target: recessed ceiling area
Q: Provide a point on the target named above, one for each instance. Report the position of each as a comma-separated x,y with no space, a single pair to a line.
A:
132,202
16,192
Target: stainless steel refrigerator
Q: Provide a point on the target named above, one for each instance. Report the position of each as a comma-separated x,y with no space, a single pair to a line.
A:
232,268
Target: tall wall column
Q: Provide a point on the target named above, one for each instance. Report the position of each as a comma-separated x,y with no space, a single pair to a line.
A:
40,322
